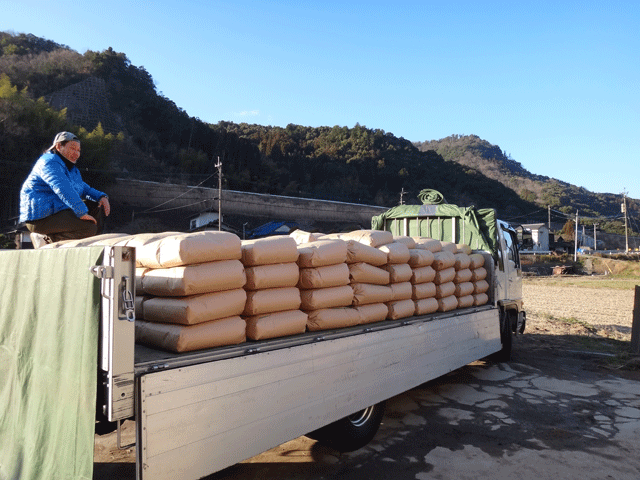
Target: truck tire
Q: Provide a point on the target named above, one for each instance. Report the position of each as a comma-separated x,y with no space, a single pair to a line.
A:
506,337
352,432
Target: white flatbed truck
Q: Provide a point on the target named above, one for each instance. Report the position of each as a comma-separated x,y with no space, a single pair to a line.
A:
200,412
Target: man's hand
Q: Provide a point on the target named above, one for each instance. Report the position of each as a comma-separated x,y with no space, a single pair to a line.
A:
104,203
88,218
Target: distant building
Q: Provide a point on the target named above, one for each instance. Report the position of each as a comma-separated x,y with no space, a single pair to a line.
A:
203,220
535,237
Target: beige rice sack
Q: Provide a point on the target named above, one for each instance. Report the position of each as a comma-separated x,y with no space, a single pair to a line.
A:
480,299
373,312
462,276
444,276
401,291
140,273
194,279
319,298
300,236
447,304
425,306
424,290
445,290
480,287
396,252
478,274
322,253
401,309
181,338
408,241
400,272
278,324
464,248
364,293
358,252
442,260
269,250
477,260
465,302
462,261
330,236
449,247
271,300
365,273
196,308
420,258
422,275
275,275
373,238
329,318
106,239
188,249
324,277
463,289
426,243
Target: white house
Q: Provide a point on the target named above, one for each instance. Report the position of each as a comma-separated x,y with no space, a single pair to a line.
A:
203,219
539,236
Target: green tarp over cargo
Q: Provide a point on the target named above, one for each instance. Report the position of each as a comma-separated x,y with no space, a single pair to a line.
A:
49,311
450,223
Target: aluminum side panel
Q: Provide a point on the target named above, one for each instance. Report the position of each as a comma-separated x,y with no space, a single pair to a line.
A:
199,419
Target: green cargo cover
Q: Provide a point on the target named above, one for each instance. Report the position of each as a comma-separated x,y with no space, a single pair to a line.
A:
49,311
475,227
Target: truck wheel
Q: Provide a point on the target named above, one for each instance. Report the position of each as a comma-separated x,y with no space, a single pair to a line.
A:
352,432
506,337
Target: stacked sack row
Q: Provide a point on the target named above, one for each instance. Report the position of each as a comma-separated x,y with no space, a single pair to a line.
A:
209,289
192,290
368,278
273,299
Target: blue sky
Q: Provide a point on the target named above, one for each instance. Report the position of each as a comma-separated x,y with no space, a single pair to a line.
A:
556,84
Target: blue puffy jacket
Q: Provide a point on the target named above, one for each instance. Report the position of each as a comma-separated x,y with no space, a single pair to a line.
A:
52,187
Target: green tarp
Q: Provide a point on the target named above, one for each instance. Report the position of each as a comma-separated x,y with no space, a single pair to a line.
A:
474,227
49,312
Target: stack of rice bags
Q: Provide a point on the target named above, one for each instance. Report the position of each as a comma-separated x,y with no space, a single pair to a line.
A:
400,273
273,299
423,274
368,279
443,264
462,279
324,285
195,282
478,277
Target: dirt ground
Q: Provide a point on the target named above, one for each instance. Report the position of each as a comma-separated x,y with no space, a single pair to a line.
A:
577,338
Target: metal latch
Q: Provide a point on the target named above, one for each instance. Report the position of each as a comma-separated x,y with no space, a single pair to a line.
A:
127,299
102,271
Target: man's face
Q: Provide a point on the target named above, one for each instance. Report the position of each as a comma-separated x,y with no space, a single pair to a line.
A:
70,151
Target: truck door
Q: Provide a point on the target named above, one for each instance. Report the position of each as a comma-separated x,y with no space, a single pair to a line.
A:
511,261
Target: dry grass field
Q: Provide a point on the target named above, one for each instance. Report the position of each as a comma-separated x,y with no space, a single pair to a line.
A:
588,313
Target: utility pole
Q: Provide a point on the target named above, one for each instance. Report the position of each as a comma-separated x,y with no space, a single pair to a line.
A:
402,196
549,208
575,251
626,230
219,167
595,241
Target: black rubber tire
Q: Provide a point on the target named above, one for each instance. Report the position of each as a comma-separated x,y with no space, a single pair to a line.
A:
506,337
353,432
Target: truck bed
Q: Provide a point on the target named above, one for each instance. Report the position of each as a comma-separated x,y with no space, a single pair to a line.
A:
201,412
149,359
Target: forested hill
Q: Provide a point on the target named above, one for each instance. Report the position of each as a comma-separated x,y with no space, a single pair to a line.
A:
130,129
474,152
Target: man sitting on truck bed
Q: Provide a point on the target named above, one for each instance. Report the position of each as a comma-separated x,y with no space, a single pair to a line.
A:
55,201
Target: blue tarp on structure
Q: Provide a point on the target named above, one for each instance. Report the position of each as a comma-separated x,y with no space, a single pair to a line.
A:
272,228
